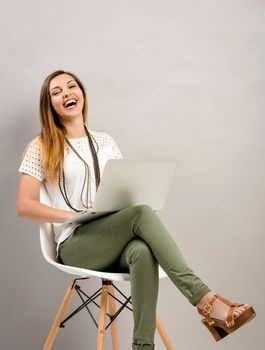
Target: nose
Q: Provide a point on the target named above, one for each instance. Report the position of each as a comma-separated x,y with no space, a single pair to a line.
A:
66,93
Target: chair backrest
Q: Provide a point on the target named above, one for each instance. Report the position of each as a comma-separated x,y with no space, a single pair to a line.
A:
48,248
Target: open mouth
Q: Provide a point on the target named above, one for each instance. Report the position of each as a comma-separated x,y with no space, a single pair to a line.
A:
69,104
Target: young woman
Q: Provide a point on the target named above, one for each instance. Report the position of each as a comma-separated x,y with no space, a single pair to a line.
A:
68,159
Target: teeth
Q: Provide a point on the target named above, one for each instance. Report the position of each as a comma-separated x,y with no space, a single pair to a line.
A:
69,102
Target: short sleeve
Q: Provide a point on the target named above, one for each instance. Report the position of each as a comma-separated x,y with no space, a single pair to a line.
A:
32,163
114,149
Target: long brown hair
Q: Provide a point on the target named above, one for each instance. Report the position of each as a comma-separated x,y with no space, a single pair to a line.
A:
52,131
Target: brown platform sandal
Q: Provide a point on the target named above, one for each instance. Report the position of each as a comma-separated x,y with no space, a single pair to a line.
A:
219,328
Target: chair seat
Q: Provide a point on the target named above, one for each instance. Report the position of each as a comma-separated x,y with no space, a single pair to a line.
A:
112,276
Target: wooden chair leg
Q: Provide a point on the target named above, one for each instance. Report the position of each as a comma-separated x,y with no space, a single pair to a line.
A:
163,334
113,326
102,318
59,317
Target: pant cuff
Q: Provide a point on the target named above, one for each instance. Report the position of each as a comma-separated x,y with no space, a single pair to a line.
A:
143,347
199,295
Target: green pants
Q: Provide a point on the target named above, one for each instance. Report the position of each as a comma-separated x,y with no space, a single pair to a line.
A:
134,240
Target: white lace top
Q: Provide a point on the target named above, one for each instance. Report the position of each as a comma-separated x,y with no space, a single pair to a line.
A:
74,173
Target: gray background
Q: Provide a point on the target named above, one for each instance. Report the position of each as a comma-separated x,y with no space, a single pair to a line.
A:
167,79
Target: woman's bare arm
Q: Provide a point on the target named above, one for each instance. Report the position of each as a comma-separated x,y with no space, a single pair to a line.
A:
28,206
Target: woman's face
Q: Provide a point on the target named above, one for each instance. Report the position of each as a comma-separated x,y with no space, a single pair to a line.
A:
66,97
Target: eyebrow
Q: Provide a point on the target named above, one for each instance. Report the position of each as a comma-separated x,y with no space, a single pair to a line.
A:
58,87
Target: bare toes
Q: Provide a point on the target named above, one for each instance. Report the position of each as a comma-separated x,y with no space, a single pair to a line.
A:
239,310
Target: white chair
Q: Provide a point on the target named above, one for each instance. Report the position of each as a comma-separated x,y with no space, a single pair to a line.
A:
106,293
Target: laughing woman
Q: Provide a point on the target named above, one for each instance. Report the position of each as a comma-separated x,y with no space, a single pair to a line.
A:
69,159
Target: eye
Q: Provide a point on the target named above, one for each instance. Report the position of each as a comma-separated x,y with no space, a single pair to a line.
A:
55,93
72,86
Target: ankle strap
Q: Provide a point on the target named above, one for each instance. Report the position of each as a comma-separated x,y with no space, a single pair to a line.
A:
205,311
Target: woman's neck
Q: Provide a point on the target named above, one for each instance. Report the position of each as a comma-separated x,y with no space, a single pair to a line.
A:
75,131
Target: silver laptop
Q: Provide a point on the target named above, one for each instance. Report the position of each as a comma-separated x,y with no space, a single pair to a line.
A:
126,183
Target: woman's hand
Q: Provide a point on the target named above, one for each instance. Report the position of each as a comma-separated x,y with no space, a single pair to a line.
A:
70,214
